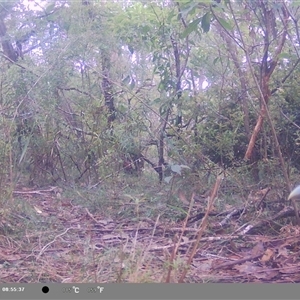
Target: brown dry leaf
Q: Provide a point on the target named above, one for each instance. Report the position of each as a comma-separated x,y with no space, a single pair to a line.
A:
233,247
37,209
185,239
248,268
290,230
256,271
266,273
204,266
217,262
258,249
9,257
183,198
114,237
290,269
282,252
267,255
256,196
25,189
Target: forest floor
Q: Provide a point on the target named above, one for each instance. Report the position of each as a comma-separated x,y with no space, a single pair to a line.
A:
129,234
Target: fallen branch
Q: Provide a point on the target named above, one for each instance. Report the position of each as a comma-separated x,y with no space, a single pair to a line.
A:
37,192
239,261
286,212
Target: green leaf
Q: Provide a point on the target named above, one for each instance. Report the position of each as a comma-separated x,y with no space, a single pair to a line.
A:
126,80
284,55
188,9
205,22
50,8
24,150
132,84
191,27
163,109
170,17
176,169
216,60
168,179
146,29
157,100
185,167
225,24
130,48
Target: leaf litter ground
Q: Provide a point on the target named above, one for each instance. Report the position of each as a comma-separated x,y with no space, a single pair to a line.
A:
50,236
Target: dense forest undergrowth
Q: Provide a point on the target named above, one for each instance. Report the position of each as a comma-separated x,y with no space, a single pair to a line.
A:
149,141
